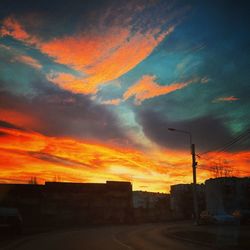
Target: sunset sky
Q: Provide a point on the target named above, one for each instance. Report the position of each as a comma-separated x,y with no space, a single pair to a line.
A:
88,90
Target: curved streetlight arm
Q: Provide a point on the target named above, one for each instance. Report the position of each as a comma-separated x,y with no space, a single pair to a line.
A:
183,131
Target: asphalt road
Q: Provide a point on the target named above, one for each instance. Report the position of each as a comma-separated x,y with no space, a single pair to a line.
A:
148,237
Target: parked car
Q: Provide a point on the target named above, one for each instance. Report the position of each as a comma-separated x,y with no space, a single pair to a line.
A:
208,218
10,220
225,219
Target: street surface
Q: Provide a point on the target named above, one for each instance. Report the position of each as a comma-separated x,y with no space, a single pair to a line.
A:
148,237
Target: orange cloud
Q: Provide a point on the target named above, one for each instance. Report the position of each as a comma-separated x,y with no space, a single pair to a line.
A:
21,140
83,51
103,57
226,99
100,56
25,154
147,88
11,27
134,49
71,83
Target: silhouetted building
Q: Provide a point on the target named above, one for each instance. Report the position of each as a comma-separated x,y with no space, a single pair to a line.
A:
227,194
151,207
27,198
182,200
72,203
89,202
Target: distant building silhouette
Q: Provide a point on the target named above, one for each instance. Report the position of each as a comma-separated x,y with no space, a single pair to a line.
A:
227,194
182,200
89,202
70,203
151,207
28,198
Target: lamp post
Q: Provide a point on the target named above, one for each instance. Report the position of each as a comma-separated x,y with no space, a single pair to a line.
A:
194,164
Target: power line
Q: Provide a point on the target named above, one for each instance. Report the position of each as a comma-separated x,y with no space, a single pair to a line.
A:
212,169
242,136
213,164
239,140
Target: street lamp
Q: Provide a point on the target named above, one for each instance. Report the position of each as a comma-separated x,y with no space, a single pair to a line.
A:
194,163
182,131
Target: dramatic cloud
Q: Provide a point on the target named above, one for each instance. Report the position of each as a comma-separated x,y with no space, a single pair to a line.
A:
100,55
70,71
71,83
16,115
208,132
147,88
8,125
74,160
26,154
62,114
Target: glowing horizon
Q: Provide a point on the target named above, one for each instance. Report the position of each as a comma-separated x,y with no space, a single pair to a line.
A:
88,94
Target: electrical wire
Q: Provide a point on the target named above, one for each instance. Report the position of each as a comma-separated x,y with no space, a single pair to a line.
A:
230,143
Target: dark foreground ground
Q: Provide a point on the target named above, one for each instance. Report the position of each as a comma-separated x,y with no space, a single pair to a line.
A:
172,236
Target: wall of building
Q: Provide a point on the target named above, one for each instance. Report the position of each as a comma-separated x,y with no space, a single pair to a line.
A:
151,207
225,195
182,200
26,197
89,203
70,203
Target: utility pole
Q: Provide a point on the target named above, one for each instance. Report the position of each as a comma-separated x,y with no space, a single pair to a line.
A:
195,198
194,164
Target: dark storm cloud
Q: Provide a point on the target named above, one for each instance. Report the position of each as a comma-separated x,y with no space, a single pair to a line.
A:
208,132
5,124
60,113
48,19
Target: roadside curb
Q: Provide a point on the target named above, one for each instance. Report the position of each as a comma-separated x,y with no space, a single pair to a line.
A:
172,236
